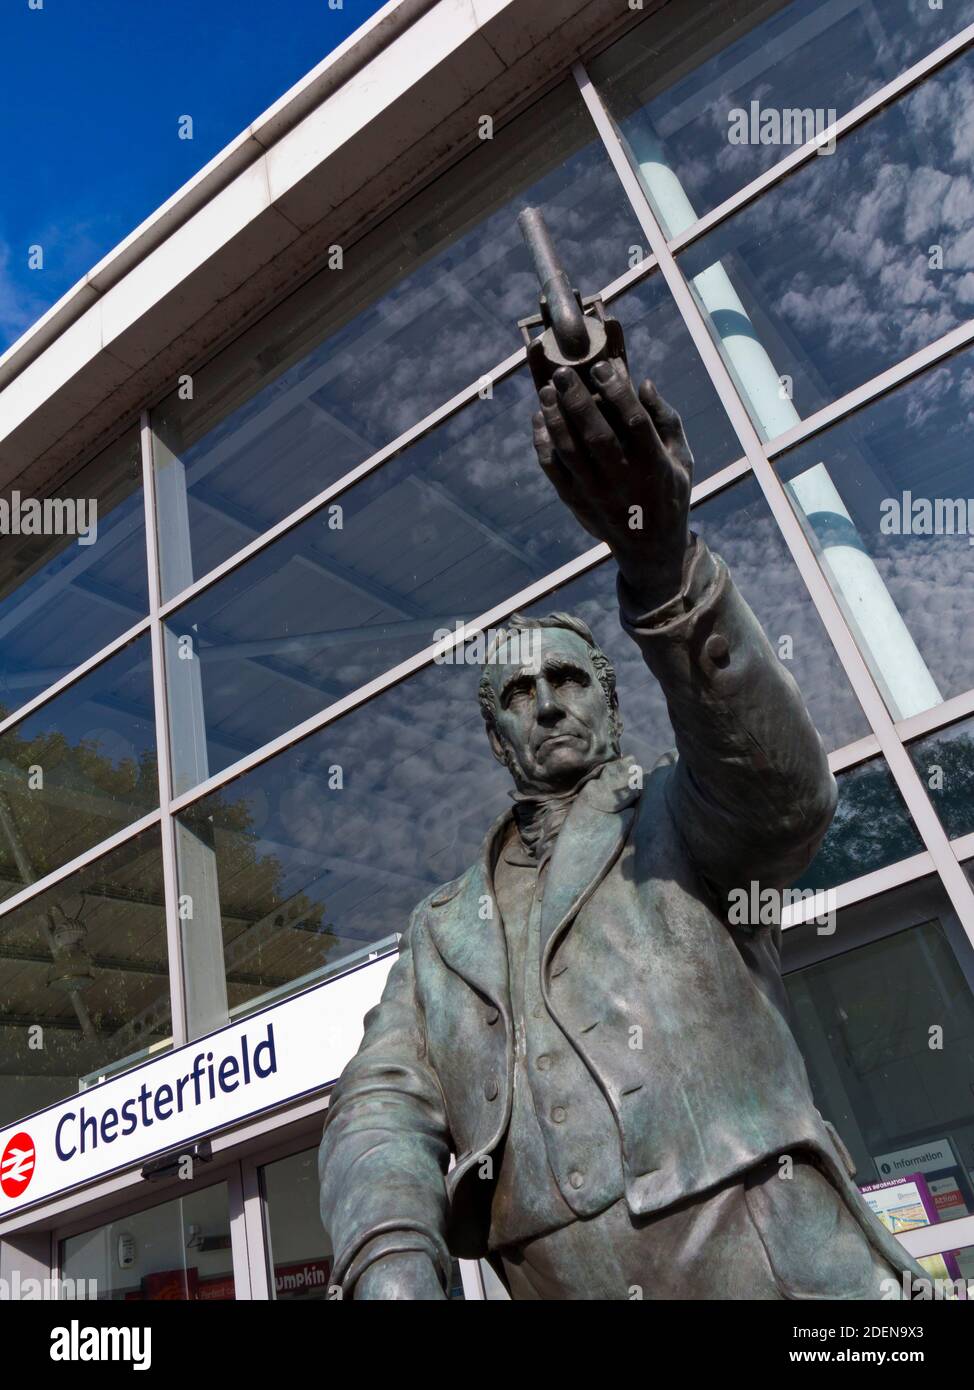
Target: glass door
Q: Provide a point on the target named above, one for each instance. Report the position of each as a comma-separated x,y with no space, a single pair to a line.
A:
180,1249
299,1254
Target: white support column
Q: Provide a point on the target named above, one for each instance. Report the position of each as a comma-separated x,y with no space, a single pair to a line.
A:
199,987
892,655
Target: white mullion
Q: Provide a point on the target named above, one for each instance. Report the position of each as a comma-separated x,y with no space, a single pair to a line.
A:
929,721
880,385
177,983
81,861
963,847
239,1245
75,674
841,895
851,754
258,1236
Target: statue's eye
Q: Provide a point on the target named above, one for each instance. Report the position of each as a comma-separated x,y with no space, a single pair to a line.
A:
516,693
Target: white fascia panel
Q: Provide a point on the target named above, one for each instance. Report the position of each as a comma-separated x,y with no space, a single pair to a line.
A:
426,46
45,329
189,248
50,373
525,25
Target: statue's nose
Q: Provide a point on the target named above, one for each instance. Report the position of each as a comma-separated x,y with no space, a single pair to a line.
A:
547,704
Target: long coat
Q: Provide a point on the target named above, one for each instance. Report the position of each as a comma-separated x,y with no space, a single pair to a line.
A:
678,1016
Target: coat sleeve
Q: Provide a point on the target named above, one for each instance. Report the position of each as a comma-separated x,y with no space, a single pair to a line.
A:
386,1145
751,792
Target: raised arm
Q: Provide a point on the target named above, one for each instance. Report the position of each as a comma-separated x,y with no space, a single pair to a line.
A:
751,792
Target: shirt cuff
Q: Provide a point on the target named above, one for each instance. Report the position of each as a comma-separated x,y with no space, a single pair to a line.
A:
699,576
391,1243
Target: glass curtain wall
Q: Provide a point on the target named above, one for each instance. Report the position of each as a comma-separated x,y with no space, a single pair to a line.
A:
777,207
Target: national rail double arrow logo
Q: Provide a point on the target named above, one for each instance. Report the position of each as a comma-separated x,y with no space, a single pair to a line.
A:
17,1164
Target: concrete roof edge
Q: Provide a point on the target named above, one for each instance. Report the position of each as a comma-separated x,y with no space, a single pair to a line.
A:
288,111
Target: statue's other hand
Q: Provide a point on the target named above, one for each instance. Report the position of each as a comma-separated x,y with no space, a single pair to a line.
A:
410,1275
622,464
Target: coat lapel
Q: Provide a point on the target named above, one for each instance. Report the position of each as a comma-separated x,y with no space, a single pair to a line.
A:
590,841
469,935
595,830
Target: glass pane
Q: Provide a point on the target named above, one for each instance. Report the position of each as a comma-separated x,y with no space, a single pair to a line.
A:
659,346
76,583
179,1250
868,1021
679,104
300,1252
416,311
737,525
883,499
78,769
311,859
945,761
871,828
84,979
835,274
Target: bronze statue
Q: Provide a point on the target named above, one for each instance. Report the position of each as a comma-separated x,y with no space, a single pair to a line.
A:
576,1017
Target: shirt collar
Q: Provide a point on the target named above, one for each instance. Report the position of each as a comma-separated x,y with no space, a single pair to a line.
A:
538,818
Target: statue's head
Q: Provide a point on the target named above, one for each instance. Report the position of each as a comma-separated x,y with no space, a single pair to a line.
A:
548,697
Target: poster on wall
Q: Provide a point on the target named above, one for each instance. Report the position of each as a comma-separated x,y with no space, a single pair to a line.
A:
948,1194
902,1204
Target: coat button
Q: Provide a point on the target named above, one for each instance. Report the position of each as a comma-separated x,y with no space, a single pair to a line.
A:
492,1015
576,1179
558,1114
490,1088
717,649
544,1062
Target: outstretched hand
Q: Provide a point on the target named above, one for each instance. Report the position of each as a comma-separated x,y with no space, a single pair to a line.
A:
622,464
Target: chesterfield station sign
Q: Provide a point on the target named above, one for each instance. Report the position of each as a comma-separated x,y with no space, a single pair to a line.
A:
284,1051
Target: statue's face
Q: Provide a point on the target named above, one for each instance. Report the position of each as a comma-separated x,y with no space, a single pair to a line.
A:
553,723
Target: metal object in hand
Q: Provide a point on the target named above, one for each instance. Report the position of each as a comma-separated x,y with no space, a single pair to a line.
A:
576,331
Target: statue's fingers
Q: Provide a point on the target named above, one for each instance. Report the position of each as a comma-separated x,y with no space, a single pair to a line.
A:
634,423
586,420
548,458
570,455
668,424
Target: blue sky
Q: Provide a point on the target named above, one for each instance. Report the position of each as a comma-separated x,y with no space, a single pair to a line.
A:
92,95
